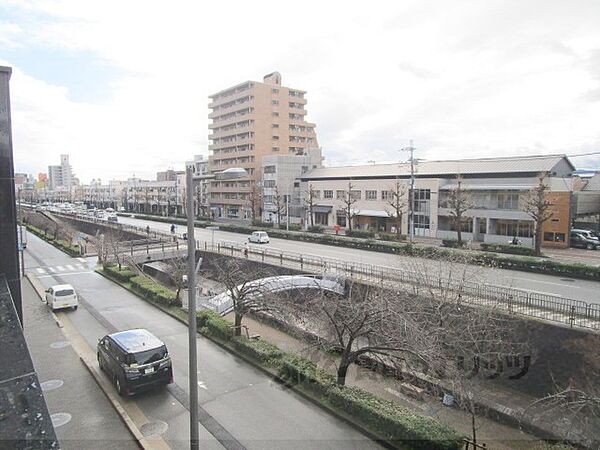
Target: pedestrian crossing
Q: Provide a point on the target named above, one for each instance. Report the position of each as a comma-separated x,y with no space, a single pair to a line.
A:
65,268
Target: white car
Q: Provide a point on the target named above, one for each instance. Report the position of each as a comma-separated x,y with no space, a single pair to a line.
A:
259,237
61,296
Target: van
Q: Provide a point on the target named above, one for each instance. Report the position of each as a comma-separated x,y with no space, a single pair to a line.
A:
259,237
61,296
134,360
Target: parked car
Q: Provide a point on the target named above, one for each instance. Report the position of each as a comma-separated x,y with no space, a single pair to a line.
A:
259,237
134,360
587,233
580,240
61,296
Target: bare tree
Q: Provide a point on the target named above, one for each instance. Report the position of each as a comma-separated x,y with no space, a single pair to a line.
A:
349,200
310,200
397,201
536,204
459,202
254,200
279,206
176,269
244,287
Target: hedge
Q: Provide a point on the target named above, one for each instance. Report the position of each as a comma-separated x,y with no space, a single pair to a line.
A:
365,234
386,418
67,247
153,291
508,248
453,243
123,275
397,424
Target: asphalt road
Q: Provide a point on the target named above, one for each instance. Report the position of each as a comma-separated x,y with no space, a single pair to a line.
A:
568,288
247,406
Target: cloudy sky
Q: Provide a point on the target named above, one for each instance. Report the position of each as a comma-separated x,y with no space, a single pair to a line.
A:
122,86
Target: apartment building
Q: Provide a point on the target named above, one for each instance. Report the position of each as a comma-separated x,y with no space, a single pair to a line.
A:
201,185
250,121
279,174
495,186
156,197
61,176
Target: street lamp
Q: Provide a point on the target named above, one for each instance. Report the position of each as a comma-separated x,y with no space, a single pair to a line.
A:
411,212
229,174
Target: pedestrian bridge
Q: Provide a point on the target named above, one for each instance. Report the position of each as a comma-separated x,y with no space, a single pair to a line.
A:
254,290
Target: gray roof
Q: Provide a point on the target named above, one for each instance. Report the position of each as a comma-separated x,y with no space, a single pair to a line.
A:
509,165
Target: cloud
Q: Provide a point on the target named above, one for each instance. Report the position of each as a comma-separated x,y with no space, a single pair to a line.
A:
465,79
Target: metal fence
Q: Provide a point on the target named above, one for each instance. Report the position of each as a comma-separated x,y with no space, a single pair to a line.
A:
554,308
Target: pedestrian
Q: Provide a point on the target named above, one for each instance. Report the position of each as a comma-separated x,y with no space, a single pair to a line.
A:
173,229
148,229
246,250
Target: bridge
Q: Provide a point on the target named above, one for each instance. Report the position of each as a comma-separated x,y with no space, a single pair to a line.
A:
256,289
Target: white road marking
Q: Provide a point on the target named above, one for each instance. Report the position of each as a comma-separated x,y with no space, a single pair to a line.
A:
51,269
60,268
202,384
40,270
546,282
70,267
66,274
83,260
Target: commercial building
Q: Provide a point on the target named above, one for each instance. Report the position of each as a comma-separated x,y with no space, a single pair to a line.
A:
495,186
279,174
250,121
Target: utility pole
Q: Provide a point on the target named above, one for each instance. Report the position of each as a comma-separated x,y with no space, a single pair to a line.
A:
287,212
21,248
193,356
411,213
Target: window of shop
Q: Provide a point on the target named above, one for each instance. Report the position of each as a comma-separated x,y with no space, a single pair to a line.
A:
341,218
321,218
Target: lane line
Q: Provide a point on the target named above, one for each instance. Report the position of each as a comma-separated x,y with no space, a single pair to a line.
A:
70,267
40,270
60,268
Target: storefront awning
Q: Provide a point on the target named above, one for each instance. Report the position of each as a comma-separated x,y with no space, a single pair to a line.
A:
321,209
371,213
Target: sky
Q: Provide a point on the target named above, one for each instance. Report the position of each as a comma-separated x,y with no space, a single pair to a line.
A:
122,86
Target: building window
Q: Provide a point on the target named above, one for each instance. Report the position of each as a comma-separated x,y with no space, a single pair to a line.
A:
316,194
386,196
421,221
269,183
370,195
269,169
321,218
340,194
554,237
327,194
275,91
341,218
304,169
421,200
275,125
508,201
515,228
275,138
275,149
275,114
274,102
355,194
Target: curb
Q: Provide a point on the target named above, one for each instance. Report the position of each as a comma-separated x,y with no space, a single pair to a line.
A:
141,441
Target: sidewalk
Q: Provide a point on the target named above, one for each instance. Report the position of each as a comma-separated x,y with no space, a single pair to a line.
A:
497,436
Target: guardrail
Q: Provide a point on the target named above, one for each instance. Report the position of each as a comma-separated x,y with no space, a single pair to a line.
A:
570,312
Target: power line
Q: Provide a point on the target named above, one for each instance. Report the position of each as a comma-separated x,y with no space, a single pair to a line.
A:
583,154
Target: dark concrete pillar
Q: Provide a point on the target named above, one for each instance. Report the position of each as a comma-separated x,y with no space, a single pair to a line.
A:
9,257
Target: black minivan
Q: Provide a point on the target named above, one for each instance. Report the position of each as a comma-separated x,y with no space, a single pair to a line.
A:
135,360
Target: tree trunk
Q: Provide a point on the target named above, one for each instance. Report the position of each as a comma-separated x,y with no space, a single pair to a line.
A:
537,251
342,371
177,293
238,324
399,227
458,232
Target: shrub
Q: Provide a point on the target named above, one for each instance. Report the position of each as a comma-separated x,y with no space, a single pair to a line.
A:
295,227
298,370
218,327
391,237
315,229
393,421
153,290
203,316
262,351
122,275
453,243
258,223
365,234
508,248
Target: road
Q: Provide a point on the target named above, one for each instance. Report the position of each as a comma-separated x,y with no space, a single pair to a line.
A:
249,409
566,287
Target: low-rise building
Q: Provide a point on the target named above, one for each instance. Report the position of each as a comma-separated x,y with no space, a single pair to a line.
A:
495,186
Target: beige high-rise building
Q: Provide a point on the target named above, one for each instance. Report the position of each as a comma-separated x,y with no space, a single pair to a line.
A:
249,121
